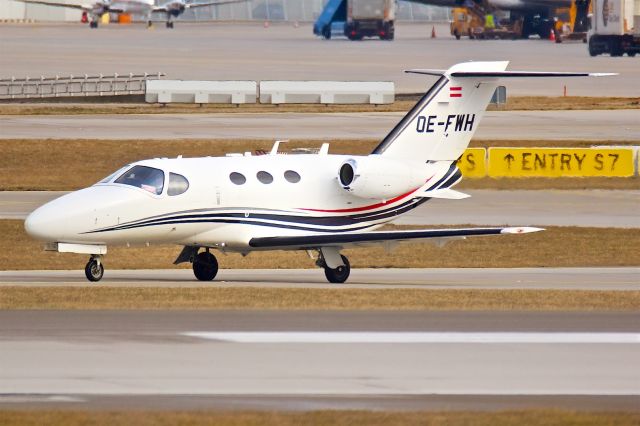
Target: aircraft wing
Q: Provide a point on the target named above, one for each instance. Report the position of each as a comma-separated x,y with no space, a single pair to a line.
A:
163,8
213,3
59,4
304,242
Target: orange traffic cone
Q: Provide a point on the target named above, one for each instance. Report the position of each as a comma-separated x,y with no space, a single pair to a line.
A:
433,32
266,24
552,36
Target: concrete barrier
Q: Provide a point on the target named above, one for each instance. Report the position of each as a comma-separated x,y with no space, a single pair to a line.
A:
327,92
201,92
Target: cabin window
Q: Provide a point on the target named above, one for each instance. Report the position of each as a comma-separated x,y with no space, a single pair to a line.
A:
237,178
264,177
292,176
178,184
144,177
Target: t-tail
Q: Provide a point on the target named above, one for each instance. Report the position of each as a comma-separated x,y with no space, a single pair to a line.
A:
440,126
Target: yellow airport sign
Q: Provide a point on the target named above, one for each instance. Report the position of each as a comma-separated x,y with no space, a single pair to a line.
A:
561,162
473,163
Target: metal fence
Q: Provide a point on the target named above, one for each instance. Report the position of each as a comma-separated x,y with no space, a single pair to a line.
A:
86,85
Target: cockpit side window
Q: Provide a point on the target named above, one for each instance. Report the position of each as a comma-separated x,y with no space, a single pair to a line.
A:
144,177
178,184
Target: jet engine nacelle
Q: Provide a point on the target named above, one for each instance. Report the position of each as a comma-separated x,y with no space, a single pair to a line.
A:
380,178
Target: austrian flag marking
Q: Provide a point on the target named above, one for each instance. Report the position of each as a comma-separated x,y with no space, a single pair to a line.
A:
455,92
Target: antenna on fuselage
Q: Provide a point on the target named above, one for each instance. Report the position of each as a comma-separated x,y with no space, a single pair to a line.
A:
276,145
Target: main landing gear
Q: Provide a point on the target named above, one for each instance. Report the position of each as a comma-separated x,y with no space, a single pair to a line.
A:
94,270
336,266
340,274
205,266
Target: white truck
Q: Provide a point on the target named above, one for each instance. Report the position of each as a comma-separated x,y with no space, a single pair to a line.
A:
615,27
370,18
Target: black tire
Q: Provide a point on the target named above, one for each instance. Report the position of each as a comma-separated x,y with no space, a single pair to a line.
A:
631,54
326,32
94,271
456,34
205,266
593,51
340,274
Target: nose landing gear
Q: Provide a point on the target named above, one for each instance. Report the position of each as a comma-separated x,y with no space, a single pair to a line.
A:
205,266
94,270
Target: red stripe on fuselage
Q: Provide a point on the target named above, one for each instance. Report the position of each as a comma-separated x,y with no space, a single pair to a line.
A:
372,206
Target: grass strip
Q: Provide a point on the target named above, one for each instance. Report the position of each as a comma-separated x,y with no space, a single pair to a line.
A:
329,418
555,247
402,104
36,164
340,298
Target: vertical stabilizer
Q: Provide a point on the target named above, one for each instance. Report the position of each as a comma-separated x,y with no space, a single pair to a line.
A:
441,124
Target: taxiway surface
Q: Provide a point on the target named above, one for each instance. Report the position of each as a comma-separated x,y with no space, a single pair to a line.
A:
609,125
247,51
619,279
311,360
593,208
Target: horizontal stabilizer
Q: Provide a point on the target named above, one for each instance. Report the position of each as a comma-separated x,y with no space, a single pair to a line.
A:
502,74
448,194
314,241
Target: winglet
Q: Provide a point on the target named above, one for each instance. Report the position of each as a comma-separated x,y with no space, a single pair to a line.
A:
521,230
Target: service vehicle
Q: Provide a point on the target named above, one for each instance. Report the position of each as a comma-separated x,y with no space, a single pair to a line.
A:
370,18
615,27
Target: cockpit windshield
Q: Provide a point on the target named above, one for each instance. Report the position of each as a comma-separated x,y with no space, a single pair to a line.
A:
114,174
144,177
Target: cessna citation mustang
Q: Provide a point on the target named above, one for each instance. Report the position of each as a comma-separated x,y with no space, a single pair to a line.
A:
319,203
173,8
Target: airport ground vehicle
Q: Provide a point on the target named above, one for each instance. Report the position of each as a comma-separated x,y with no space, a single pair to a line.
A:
358,18
572,23
370,18
615,27
474,23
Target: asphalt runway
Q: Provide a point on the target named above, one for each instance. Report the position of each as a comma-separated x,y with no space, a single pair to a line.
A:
593,208
614,279
242,51
496,125
255,360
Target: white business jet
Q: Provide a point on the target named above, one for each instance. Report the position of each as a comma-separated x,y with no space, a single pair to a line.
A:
320,203
97,8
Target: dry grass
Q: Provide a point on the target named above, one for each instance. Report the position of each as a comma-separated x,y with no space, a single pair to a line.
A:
329,418
555,247
404,103
36,164
340,298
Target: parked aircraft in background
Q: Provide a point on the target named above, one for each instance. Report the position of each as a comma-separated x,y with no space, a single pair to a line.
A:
319,203
97,8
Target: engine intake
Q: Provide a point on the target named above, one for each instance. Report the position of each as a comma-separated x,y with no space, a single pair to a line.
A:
380,178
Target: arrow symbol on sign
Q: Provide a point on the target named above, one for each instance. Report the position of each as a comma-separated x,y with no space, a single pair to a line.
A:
509,159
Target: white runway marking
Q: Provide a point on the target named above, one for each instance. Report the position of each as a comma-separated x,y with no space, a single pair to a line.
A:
415,337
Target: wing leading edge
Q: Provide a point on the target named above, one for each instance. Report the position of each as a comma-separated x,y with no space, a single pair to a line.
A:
358,238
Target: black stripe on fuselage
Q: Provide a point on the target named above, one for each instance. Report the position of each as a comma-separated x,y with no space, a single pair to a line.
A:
290,221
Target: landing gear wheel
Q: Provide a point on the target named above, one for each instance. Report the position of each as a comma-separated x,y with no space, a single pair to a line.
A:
205,266
340,274
94,270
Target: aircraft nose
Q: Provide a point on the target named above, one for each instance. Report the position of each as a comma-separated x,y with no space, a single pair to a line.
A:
39,226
